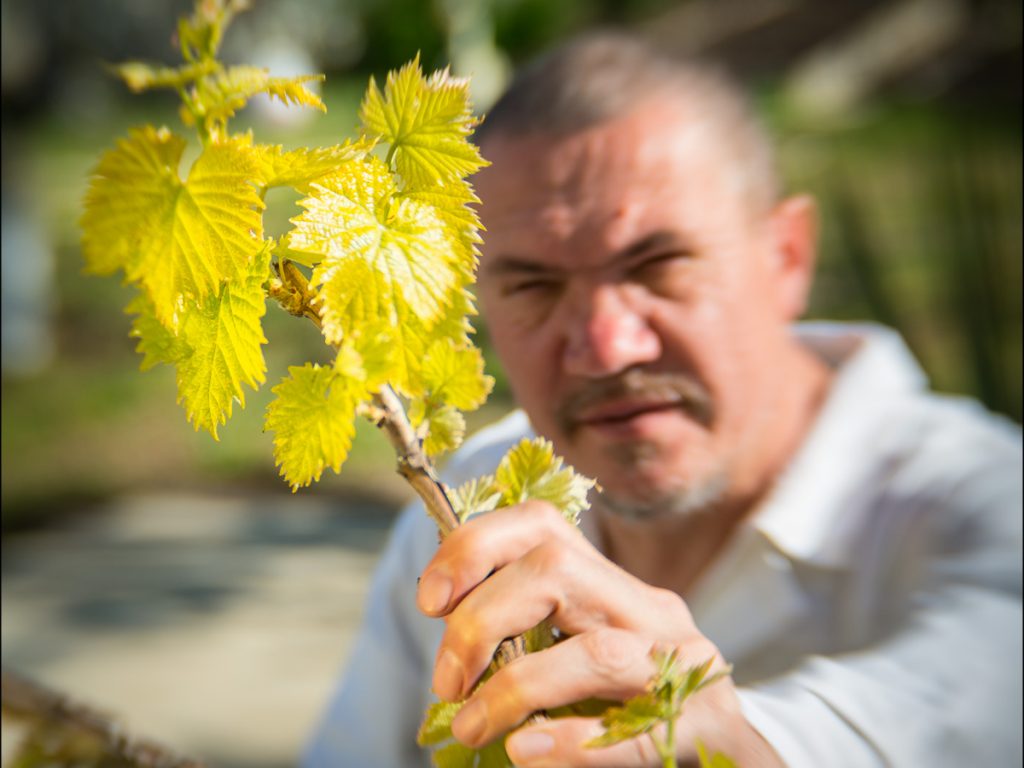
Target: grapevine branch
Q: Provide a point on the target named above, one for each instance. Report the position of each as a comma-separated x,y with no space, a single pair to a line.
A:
413,463
418,471
27,699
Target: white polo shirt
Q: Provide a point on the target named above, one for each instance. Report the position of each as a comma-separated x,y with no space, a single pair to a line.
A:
871,607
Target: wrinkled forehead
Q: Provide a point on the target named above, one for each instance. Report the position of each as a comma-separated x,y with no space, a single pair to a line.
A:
656,167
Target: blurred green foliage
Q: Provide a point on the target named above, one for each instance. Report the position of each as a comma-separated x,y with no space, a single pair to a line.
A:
921,230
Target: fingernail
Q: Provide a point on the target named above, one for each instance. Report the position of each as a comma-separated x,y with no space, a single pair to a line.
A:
448,676
435,592
471,722
527,745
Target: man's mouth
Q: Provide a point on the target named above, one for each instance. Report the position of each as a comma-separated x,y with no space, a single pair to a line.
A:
623,411
623,402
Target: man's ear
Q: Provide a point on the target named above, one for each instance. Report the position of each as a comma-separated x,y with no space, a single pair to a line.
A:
795,227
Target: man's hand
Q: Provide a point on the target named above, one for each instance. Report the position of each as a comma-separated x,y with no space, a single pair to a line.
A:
503,573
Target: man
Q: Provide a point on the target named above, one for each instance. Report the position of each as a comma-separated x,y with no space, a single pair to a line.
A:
786,499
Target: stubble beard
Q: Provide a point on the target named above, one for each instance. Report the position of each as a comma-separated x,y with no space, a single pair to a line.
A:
698,498
682,498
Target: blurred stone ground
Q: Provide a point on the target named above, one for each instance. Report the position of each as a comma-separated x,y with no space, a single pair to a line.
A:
216,624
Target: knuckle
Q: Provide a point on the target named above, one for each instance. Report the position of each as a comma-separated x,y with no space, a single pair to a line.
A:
460,555
550,558
671,604
611,651
509,684
465,538
463,631
545,512
669,600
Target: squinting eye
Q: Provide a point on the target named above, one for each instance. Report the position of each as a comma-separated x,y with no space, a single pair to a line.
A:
654,265
528,287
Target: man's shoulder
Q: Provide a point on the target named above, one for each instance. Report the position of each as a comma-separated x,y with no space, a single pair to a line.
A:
960,457
958,418
888,457
880,402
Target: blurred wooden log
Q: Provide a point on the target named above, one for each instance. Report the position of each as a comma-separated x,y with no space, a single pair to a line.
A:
25,699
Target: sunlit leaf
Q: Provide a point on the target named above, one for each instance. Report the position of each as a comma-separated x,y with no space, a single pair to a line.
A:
299,168
530,470
224,336
477,495
455,375
179,240
139,76
133,188
427,122
157,344
313,422
437,723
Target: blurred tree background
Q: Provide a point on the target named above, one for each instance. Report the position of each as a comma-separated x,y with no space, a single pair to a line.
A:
903,118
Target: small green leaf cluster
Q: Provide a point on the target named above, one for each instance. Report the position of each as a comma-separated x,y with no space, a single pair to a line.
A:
530,470
662,703
210,92
389,246
436,731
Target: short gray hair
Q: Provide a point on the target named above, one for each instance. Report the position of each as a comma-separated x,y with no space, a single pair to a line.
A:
599,76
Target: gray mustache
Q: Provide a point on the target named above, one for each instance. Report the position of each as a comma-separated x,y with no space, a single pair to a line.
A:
680,388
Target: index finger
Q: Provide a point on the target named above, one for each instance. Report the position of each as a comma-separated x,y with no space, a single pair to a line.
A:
473,551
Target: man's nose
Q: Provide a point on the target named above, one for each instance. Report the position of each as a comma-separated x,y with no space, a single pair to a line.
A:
608,335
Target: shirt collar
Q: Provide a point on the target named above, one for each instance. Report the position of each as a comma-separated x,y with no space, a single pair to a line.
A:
809,509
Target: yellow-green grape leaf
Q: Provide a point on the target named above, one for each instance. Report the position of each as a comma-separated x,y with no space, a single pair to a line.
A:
200,35
446,428
717,760
493,756
360,301
667,691
474,497
452,202
298,168
413,338
139,76
369,355
216,227
379,355
293,90
225,335
539,637
350,294
156,343
437,723
313,420
219,96
179,240
132,190
426,121
530,470
454,755
436,729
455,375
352,217
441,427
634,718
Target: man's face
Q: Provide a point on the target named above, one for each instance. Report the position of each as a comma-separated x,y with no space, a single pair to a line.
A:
629,291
